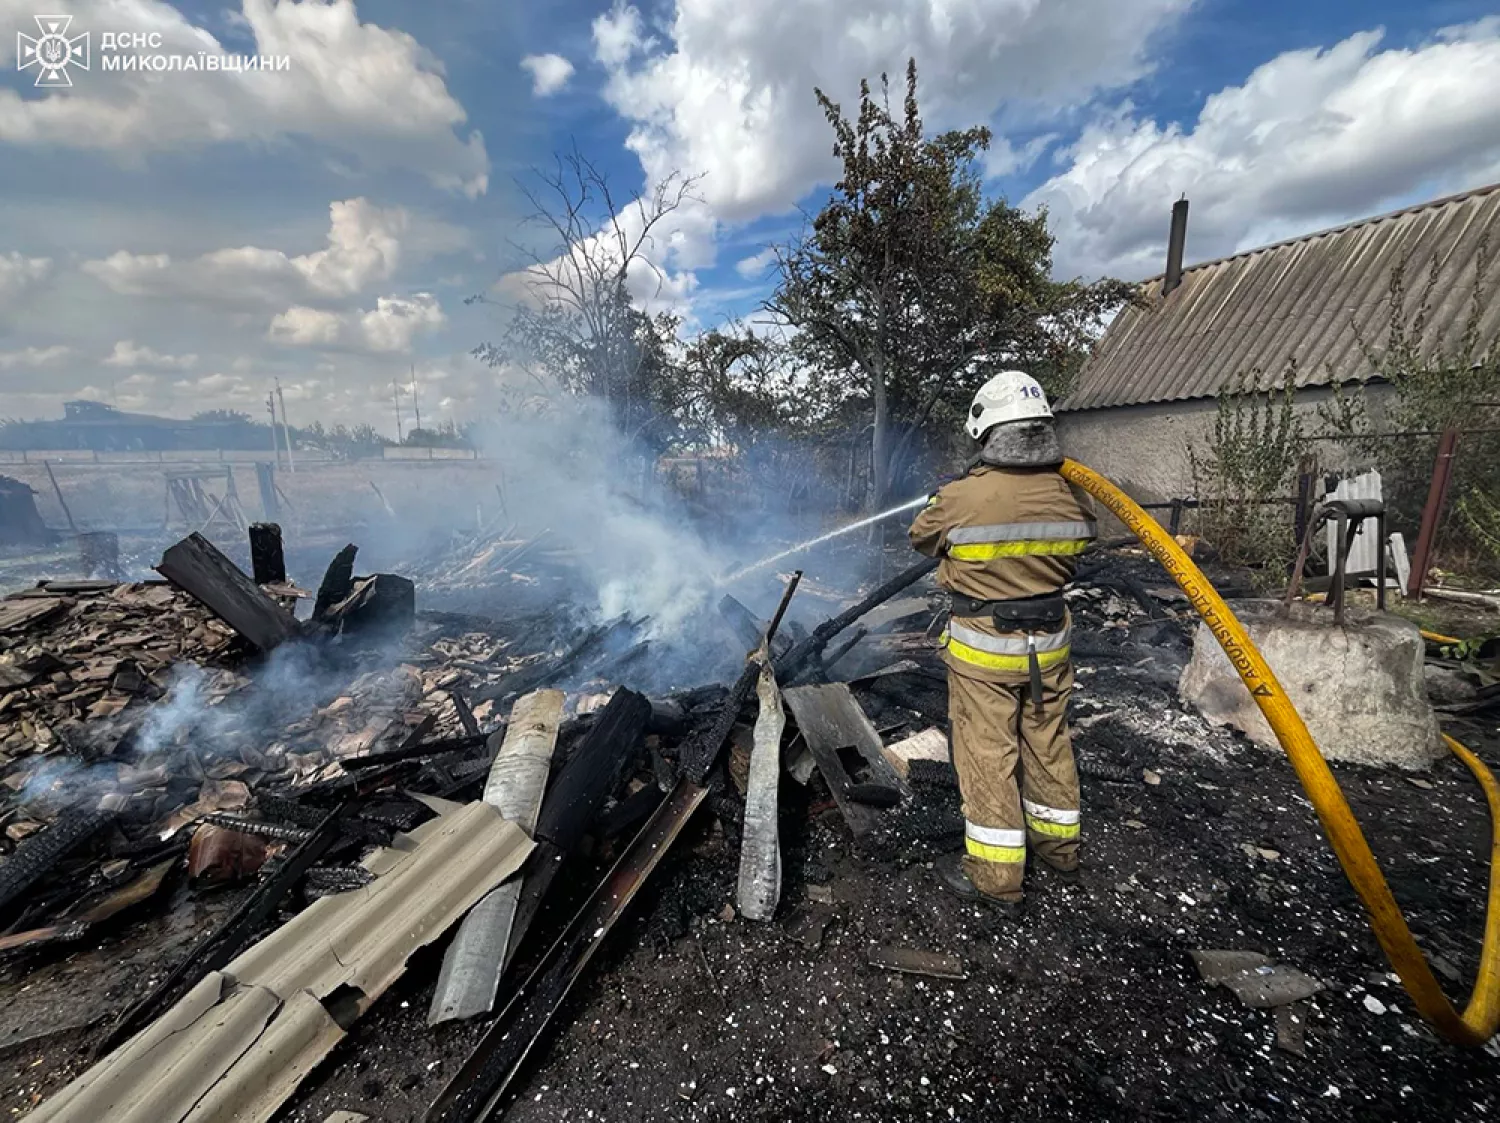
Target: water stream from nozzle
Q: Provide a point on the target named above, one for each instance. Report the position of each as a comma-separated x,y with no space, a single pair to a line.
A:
818,541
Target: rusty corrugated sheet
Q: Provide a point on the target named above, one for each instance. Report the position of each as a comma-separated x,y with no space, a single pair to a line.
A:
1311,300
237,1045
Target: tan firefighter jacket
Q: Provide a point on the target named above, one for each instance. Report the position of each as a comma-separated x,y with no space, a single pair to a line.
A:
1004,534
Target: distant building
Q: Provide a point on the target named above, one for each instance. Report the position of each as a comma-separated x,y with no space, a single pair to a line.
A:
1152,383
103,428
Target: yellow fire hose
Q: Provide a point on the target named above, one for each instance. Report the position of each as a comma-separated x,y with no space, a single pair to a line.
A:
1481,1018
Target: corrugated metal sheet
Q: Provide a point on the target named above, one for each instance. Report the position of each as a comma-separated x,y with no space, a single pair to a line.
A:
237,1045
1308,300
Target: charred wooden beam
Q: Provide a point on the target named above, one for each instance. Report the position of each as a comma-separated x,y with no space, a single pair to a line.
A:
417,749
594,770
701,753
479,1085
338,581
465,713
747,627
39,855
543,673
197,567
267,558
380,608
792,663
843,649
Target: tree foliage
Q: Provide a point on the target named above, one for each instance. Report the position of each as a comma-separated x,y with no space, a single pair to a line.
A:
574,318
910,287
1256,449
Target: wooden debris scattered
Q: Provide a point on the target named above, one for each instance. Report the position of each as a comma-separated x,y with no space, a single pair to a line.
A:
831,720
911,961
196,566
930,744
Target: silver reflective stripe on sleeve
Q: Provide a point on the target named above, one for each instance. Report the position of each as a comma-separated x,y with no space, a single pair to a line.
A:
1023,532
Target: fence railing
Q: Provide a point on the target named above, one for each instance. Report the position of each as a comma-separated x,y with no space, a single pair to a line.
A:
219,456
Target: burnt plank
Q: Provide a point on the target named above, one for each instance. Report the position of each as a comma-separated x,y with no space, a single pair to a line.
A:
197,567
267,558
21,613
789,665
338,581
594,770
830,719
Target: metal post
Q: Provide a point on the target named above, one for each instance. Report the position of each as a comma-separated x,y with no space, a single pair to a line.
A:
1342,540
286,430
275,441
1380,560
1432,513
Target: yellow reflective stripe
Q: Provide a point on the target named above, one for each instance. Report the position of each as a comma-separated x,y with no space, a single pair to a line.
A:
1036,547
990,661
1055,830
987,853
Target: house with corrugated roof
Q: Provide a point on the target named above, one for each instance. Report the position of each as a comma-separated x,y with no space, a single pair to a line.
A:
1152,384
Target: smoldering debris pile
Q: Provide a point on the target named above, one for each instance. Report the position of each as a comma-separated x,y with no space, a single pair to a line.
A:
326,770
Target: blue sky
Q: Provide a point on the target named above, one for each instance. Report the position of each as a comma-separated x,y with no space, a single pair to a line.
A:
179,241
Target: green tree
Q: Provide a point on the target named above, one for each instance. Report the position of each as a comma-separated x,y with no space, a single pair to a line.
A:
1249,462
910,287
738,389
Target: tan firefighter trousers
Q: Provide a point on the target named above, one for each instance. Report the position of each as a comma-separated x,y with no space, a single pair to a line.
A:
1016,772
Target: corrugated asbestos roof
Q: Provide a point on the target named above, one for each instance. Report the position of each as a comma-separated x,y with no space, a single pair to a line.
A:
237,1045
1310,299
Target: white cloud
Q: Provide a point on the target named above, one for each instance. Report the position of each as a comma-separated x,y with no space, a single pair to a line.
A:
33,357
549,73
390,327
395,321
128,355
1311,139
18,273
370,93
619,34
731,94
219,389
364,248
754,268
307,327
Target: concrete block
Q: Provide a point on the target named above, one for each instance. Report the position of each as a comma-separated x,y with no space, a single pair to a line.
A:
1360,688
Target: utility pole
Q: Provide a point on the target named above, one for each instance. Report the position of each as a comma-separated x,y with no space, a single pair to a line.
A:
275,442
396,397
286,430
417,409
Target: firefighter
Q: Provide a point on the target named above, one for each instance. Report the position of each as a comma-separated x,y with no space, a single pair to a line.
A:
1009,533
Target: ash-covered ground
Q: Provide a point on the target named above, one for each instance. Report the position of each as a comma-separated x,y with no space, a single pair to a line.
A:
1089,1008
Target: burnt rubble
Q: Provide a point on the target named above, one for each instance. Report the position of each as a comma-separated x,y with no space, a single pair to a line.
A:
213,748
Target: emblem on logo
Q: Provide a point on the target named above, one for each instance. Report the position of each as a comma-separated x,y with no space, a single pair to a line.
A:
52,52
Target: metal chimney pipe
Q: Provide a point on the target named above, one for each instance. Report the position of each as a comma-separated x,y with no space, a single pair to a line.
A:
1176,244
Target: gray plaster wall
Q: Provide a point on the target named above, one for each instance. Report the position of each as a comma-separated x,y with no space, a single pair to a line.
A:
1144,449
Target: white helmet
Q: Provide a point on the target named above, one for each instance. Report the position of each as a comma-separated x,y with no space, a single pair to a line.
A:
1009,396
